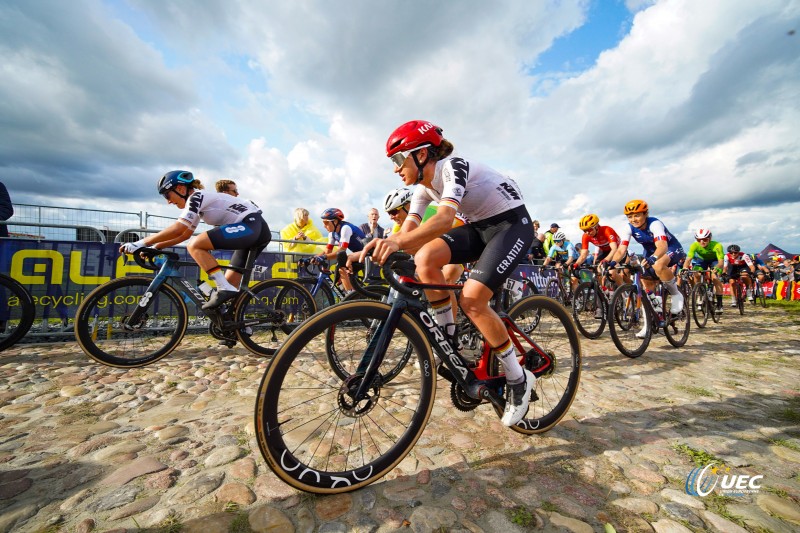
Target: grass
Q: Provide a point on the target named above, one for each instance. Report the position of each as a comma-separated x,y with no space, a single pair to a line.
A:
695,391
717,503
698,457
521,516
786,444
549,507
790,413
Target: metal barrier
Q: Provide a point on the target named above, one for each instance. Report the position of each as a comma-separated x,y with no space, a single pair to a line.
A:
100,236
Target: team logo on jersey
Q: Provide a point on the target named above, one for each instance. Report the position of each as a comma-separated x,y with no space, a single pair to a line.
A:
460,171
194,202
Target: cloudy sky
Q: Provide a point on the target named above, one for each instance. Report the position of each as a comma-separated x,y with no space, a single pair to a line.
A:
690,105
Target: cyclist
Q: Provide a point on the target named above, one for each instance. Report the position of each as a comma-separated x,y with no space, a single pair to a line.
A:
564,254
737,264
706,254
497,236
662,251
348,237
227,186
604,238
239,227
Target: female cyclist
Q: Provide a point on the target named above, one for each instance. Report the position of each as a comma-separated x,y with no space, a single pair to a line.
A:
497,238
240,226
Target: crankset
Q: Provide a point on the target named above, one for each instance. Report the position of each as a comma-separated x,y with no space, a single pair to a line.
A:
461,400
221,334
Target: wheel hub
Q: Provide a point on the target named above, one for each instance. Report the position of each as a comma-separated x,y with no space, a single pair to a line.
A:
350,405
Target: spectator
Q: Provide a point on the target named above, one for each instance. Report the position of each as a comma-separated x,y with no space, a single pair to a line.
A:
548,238
301,232
6,209
227,186
371,228
536,252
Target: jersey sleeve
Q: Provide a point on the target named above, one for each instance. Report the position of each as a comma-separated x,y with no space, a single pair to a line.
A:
720,253
419,202
625,236
455,174
658,230
345,233
191,214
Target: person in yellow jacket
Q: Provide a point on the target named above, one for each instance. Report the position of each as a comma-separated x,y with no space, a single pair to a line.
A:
301,232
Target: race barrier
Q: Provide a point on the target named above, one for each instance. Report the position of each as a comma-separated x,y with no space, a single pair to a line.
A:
60,274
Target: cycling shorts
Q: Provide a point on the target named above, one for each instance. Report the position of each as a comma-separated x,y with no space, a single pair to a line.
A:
676,257
699,264
602,255
737,270
497,245
250,232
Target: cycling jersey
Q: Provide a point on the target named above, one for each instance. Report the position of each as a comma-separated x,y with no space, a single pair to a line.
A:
348,237
603,238
563,253
472,188
739,259
653,230
215,208
711,252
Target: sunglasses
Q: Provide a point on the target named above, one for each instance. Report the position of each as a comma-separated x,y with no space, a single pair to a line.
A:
705,239
590,229
400,157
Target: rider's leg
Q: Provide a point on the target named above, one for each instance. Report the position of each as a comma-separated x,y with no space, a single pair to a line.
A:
665,274
200,249
429,260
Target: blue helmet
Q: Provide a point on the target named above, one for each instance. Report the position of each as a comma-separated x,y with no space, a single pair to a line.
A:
172,179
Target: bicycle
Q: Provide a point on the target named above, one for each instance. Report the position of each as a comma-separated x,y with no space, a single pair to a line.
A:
326,291
759,298
703,298
138,320
590,304
634,319
17,311
560,287
323,434
738,292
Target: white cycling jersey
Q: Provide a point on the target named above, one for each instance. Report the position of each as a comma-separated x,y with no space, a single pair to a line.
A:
472,188
215,208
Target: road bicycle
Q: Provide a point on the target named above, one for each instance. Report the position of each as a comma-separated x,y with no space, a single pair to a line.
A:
324,434
590,304
560,287
17,311
759,297
704,299
326,291
138,320
738,292
635,316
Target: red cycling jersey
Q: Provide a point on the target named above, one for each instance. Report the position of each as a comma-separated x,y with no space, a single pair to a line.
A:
602,237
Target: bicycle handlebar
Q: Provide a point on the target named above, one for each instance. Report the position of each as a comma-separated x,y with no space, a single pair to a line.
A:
145,257
399,262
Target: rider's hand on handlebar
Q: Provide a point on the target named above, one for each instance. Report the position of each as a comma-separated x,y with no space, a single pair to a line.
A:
130,247
611,264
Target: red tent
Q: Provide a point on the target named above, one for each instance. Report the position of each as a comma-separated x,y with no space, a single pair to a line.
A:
771,251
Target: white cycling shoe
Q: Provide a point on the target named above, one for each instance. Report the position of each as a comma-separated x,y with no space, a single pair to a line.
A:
517,399
677,304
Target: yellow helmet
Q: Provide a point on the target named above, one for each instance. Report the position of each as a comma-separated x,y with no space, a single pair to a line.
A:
636,206
589,221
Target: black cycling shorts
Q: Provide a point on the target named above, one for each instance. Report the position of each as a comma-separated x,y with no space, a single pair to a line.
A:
496,245
240,236
734,271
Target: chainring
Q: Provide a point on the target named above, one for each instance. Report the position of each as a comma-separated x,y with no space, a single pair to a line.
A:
461,400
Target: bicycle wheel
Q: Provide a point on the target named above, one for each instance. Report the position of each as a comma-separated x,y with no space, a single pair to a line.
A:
741,296
310,431
552,351
630,330
553,290
102,332
701,307
279,306
17,311
678,326
323,297
761,297
589,309
343,361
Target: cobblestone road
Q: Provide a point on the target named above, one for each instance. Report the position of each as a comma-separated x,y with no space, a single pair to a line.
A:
84,447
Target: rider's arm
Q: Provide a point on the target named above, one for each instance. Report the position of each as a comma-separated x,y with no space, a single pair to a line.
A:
411,237
173,234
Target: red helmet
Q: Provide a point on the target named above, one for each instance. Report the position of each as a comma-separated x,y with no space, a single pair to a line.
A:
413,134
332,213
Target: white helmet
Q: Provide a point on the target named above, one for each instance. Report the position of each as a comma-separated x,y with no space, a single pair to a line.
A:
397,198
702,233
559,236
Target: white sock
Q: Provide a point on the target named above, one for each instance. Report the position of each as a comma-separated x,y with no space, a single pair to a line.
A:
672,286
221,282
511,366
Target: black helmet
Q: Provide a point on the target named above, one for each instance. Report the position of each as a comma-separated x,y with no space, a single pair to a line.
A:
734,249
172,179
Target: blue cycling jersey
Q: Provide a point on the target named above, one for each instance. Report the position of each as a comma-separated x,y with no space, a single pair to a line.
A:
653,230
350,234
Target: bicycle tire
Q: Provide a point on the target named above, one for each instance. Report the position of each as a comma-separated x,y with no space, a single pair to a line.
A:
711,296
344,365
265,334
553,290
677,327
741,296
16,319
555,334
701,307
625,321
761,297
585,308
307,432
324,296
105,309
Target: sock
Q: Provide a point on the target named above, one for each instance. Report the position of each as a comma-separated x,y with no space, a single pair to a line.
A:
508,358
719,300
672,286
444,315
218,276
